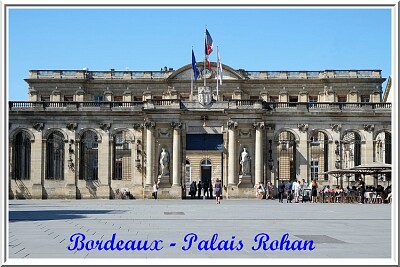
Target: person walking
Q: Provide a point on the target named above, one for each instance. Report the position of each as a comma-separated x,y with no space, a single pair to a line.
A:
199,187
281,190
361,187
218,191
155,189
314,190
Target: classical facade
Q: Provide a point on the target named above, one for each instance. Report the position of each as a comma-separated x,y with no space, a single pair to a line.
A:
91,134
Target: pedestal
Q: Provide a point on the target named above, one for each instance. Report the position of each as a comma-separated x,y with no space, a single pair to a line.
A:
163,181
245,181
70,191
37,191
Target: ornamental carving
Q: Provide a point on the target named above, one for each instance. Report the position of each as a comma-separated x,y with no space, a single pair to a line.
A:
72,126
138,126
369,127
176,125
105,126
336,127
149,124
164,132
38,126
303,127
232,124
259,125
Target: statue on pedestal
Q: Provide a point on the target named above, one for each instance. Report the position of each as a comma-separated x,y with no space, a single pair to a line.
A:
245,162
164,163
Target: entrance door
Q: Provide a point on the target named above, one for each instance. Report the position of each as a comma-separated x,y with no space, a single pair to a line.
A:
206,170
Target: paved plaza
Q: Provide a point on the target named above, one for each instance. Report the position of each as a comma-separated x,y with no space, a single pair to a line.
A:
43,229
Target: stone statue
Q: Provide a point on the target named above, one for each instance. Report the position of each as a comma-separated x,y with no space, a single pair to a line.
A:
245,162
164,162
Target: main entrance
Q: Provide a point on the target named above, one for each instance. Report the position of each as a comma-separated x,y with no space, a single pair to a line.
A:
203,160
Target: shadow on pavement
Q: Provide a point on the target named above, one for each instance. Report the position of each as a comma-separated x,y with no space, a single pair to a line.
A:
46,215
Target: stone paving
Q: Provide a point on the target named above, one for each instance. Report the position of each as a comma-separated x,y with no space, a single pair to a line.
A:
41,229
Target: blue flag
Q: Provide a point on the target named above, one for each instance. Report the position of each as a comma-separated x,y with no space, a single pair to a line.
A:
196,71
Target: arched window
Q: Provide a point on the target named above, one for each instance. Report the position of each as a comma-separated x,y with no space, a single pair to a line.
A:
122,156
206,171
22,151
55,156
351,150
383,148
318,155
286,151
350,153
89,161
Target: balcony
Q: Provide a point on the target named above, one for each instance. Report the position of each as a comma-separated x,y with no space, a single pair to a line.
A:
176,104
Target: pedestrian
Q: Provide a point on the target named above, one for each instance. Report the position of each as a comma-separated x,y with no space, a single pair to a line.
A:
296,188
211,190
206,186
192,190
288,188
270,188
361,188
155,189
218,191
199,187
314,191
281,191
261,191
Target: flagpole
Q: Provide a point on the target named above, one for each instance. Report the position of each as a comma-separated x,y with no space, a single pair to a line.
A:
217,71
205,58
191,80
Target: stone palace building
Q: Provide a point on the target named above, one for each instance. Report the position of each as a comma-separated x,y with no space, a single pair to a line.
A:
91,134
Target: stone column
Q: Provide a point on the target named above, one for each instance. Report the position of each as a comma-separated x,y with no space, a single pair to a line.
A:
302,159
70,162
176,152
232,160
36,162
104,174
259,166
149,151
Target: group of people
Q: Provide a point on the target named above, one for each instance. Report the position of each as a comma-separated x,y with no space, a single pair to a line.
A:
207,188
264,191
296,189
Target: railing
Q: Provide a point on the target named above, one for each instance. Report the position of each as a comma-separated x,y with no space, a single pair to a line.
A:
22,105
85,74
177,104
129,75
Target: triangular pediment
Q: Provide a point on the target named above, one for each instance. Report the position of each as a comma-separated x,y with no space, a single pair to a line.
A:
185,73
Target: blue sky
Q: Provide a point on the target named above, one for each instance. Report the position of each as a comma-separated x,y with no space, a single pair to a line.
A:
147,39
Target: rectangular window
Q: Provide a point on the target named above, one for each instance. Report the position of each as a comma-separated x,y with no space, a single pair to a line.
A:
118,169
254,97
293,99
226,97
342,98
274,99
45,98
118,98
365,98
98,98
314,169
68,98
138,98
312,100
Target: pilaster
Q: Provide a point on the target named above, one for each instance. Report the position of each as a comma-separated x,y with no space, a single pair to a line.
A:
149,126
259,166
